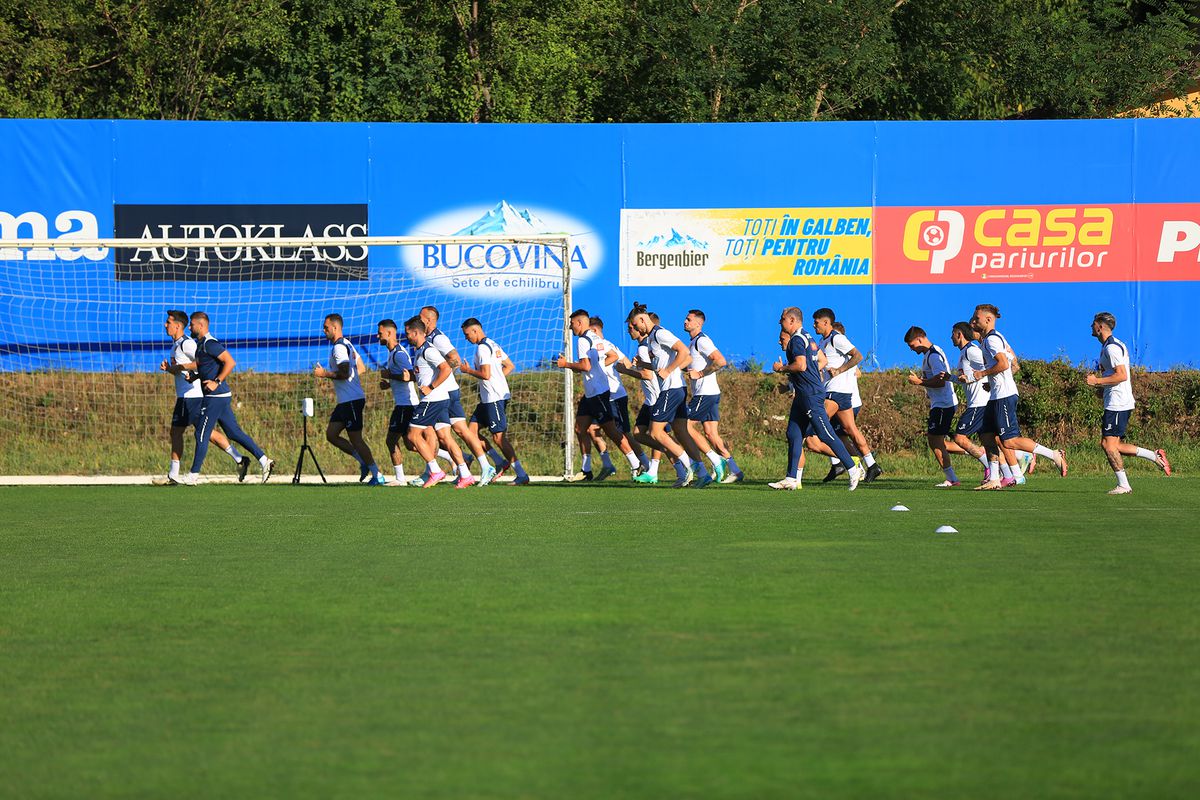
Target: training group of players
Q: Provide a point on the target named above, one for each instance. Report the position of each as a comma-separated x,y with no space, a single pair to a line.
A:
822,371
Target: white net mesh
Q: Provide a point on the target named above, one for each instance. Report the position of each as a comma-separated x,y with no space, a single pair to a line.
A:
82,337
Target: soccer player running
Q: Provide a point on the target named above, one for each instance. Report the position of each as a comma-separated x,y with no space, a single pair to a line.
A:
943,402
618,398
595,406
492,366
431,421
1114,378
703,411
351,400
214,365
398,375
188,399
668,357
649,384
807,416
458,419
970,422
843,358
1000,428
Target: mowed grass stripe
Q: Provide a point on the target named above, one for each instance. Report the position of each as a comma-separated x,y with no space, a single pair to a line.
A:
732,642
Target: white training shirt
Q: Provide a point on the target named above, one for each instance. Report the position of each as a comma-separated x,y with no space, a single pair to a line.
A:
1114,353
837,350
427,360
595,380
934,362
616,389
1003,384
970,361
855,397
702,348
661,341
351,388
495,388
183,351
403,392
444,346
649,387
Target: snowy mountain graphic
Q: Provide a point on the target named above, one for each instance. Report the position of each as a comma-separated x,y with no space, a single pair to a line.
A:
505,218
675,239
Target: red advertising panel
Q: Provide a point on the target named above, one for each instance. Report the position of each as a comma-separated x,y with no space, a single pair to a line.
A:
1009,244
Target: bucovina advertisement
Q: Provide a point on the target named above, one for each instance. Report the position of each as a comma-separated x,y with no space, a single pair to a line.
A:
889,224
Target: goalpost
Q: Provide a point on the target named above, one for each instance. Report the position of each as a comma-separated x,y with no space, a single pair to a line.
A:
82,337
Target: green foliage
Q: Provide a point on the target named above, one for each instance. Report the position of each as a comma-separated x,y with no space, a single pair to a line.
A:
591,60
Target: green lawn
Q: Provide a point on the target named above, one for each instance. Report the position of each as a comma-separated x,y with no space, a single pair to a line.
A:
601,641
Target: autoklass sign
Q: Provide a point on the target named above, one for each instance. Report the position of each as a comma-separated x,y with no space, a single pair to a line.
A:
746,246
206,261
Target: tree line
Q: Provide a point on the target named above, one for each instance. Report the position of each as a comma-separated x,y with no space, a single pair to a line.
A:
592,60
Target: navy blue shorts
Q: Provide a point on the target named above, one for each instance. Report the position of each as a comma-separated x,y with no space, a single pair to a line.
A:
186,412
493,416
971,421
643,417
455,407
598,408
431,414
704,408
671,405
620,412
350,414
843,399
1114,423
400,420
1001,418
940,421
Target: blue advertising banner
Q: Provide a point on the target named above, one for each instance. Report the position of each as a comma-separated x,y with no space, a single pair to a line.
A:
889,224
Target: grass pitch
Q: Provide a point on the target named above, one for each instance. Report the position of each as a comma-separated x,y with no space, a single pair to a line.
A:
601,641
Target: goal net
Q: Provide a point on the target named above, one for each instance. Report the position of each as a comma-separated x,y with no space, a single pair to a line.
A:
82,337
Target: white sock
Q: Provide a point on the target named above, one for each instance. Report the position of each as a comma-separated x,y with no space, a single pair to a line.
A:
713,458
950,476
587,463
1005,470
483,461
631,457
983,459
834,461
733,467
444,455
799,474
233,453
399,470
464,471
653,467
433,467
1046,452
1146,454
606,460
264,460
993,470
1122,479
869,459
516,465
174,470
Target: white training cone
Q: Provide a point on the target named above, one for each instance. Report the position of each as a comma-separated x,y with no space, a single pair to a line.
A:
947,529
899,507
